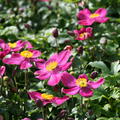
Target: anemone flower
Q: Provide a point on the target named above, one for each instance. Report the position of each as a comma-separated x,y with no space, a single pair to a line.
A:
17,46
23,59
4,49
53,68
85,17
82,85
26,119
83,33
2,71
47,98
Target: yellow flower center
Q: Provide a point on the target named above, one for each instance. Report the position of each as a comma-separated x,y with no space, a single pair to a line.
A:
12,45
51,66
26,54
94,15
82,82
47,96
83,34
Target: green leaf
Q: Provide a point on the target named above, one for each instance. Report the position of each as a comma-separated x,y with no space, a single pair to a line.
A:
101,65
107,107
115,67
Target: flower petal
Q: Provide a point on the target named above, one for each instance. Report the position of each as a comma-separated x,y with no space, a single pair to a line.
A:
101,19
54,79
68,80
83,14
15,58
86,22
101,11
96,84
36,53
59,101
63,56
27,44
2,70
34,95
83,76
86,92
66,66
42,74
25,64
71,91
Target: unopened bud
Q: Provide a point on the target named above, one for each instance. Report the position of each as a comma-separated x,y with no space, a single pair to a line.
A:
72,72
68,47
56,88
80,49
62,113
72,59
5,78
39,103
55,33
14,90
94,75
66,41
70,33
27,26
70,119
103,40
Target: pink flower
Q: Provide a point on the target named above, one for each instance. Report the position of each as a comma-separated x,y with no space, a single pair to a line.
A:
85,17
83,33
17,46
53,68
5,49
81,85
2,71
26,119
47,98
23,59
44,0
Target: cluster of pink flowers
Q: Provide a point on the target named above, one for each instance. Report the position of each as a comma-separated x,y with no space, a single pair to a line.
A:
22,54
54,69
86,18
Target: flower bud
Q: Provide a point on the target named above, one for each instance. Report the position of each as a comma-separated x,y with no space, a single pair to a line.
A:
72,59
1,117
39,103
103,41
80,49
94,75
72,72
68,47
5,78
70,119
66,41
56,88
14,90
71,33
55,33
62,113
2,20
27,26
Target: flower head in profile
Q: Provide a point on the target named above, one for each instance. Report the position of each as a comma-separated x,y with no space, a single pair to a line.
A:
17,46
47,98
53,68
2,71
26,119
83,33
23,58
81,85
4,49
85,16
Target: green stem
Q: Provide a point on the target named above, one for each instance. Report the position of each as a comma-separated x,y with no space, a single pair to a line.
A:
57,44
26,80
